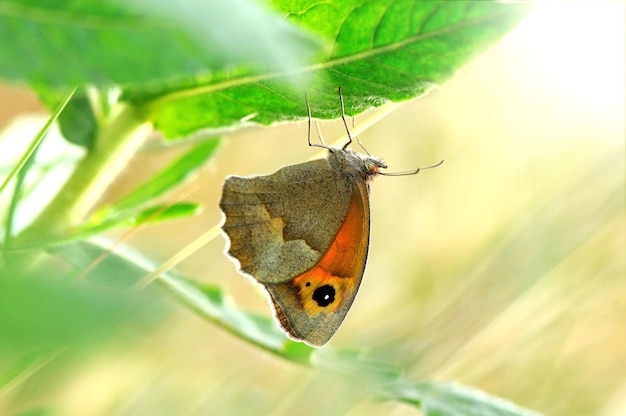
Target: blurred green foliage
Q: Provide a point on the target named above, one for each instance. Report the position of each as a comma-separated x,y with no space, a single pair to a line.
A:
76,335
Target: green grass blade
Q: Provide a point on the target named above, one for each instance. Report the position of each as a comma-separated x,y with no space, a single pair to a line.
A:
155,214
21,168
214,305
36,141
167,179
128,219
441,399
383,380
23,368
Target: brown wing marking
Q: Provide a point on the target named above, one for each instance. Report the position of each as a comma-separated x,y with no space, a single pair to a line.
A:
318,300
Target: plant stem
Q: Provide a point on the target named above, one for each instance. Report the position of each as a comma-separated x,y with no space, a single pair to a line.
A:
116,143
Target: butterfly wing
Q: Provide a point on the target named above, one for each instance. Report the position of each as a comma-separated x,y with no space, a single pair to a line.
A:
280,225
312,306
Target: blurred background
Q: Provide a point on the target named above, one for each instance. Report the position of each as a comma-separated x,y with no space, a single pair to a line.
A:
503,269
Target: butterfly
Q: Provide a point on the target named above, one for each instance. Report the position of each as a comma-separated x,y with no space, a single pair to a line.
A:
302,233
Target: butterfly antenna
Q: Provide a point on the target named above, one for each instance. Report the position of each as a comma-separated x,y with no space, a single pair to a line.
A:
410,172
319,133
358,139
343,117
308,112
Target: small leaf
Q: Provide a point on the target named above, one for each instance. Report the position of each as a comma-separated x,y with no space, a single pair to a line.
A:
133,218
78,123
165,180
127,219
165,212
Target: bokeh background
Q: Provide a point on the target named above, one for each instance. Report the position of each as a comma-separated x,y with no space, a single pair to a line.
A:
504,269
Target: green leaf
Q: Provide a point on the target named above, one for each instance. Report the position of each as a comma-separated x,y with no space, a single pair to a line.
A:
39,411
126,219
38,313
78,122
383,380
164,212
132,218
96,263
119,42
22,167
87,111
19,370
124,268
436,399
381,50
128,212
212,304
36,141
297,352
168,178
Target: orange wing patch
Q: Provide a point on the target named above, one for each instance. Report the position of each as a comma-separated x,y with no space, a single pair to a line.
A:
337,275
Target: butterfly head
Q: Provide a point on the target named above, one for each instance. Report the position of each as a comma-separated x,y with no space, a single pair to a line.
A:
353,163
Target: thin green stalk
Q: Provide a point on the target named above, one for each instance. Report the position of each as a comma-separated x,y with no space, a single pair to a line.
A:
37,140
17,194
115,144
